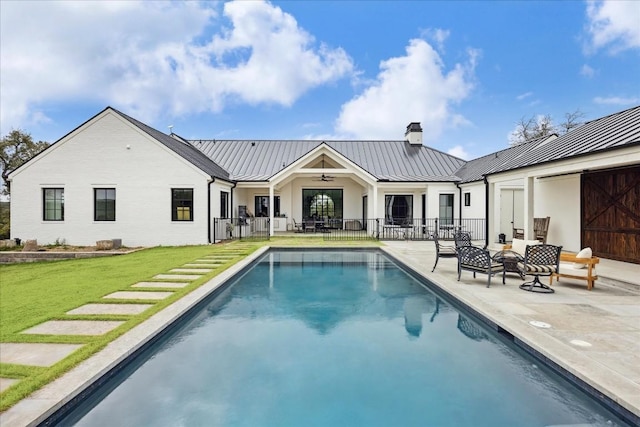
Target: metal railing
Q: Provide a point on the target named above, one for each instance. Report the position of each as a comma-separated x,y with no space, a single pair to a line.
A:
240,228
354,229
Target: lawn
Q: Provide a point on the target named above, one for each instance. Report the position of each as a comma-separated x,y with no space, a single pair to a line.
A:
33,293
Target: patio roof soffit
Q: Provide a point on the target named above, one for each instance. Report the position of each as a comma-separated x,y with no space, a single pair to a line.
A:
311,164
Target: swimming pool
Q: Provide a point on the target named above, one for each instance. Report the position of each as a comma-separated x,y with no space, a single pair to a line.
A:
334,338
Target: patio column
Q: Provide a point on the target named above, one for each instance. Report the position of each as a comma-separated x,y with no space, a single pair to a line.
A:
271,209
528,207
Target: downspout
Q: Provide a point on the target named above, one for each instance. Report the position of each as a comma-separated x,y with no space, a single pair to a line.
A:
486,210
213,179
459,204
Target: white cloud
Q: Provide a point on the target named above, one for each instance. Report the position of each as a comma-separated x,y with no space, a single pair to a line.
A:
613,25
414,87
459,152
438,36
587,71
150,58
615,100
524,96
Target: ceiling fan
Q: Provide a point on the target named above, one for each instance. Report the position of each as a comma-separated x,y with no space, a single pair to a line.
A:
323,177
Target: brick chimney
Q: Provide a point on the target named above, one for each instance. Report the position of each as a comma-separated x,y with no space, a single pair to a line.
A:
414,133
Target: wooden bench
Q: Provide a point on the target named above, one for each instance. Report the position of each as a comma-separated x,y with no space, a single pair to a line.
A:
567,270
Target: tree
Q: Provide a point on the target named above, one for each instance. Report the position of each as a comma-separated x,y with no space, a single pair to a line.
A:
528,129
15,150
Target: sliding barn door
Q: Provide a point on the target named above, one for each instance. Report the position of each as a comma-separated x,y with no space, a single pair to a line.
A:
611,213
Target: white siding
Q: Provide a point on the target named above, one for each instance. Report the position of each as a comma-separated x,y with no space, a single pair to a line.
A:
109,152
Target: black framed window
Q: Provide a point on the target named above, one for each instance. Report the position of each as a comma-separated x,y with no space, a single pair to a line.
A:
262,205
398,209
446,209
467,199
322,203
53,204
181,204
224,204
104,204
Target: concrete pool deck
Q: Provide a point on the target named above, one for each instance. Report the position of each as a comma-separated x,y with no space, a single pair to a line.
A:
594,335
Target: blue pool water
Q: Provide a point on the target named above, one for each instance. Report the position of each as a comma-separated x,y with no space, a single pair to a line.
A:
346,338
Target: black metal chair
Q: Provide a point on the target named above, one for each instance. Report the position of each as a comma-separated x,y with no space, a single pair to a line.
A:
478,260
442,251
462,238
540,260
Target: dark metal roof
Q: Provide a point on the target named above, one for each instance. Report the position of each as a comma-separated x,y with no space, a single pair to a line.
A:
398,161
606,133
476,169
182,148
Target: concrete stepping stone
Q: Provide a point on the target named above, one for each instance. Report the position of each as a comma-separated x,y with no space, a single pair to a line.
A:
139,295
110,309
190,270
34,354
160,285
203,265
209,261
177,276
74,327
5,383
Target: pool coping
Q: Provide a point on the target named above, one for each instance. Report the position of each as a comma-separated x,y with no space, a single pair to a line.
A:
42,404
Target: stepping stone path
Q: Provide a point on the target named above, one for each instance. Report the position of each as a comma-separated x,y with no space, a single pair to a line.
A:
48,354
190,270
74,327
139,295
35,354
110,309
160,285
177,276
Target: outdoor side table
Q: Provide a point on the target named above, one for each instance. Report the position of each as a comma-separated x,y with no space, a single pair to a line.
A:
510,260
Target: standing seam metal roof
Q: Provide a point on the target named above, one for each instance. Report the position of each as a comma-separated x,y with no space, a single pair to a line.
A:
258,160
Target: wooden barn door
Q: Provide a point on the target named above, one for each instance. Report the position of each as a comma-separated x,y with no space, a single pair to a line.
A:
611,213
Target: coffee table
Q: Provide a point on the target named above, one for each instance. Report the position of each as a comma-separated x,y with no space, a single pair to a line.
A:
509,260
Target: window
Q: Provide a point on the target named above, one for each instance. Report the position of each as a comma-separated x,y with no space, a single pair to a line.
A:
53,204
181,204
398,209
467,199
322,203
224,204
104,204
446,209
262,205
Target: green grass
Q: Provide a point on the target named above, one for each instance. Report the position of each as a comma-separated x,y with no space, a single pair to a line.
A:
33,293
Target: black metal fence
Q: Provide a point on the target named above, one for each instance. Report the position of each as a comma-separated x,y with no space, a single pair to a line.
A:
352,229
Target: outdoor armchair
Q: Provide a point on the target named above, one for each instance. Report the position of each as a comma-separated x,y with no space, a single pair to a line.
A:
540,260
478,260
442,251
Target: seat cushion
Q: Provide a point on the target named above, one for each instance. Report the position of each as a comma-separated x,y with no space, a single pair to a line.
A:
584,253
520,246
537,268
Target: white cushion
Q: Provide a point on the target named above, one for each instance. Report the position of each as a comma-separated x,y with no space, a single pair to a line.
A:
585,253
520,246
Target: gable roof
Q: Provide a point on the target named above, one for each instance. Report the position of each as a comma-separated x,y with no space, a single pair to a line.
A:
182,148
399,161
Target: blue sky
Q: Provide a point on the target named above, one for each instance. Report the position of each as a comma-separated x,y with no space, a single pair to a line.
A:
467,70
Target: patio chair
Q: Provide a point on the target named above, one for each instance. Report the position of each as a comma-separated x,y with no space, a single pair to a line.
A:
309,226
540,260
298,227
541,228
478,260
442,251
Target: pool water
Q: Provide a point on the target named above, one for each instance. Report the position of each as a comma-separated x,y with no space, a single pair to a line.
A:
340,338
